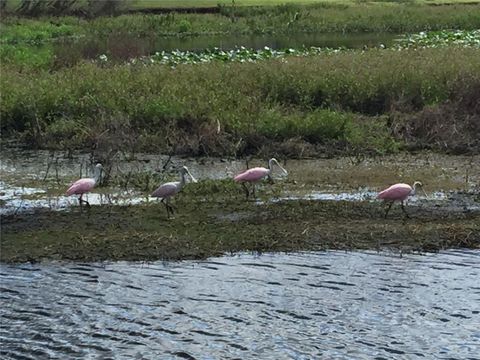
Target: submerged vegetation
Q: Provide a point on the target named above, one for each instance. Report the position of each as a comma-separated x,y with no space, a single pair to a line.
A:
217,225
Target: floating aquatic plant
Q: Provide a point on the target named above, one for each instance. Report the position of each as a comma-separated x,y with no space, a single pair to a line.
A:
468,38
240,54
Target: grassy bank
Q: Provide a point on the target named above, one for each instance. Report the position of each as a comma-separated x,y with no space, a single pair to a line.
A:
286,19
348,101
214,225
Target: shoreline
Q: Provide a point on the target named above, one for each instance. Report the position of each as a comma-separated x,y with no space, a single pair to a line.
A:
208,226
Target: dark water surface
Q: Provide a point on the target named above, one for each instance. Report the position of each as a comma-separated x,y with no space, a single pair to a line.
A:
124,47
330,305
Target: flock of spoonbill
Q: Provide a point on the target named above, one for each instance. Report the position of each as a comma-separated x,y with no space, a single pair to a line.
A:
397,192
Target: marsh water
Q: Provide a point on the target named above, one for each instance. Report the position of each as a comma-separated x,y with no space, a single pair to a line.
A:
121,47
32,179
148,44
331,305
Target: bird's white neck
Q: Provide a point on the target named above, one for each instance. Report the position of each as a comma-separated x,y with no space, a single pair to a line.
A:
98,175
182,180
270,165
414,190
415,187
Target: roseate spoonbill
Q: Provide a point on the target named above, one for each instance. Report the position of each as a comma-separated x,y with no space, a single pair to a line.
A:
84,185
399,192
167,190
255,174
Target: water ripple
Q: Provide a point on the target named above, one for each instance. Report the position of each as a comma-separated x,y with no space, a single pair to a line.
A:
331,305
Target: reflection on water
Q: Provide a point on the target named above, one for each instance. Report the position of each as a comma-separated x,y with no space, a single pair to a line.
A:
19,199
329,305
125,46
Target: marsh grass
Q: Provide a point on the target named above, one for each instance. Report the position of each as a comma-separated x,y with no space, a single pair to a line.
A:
286,19
223,223
338,100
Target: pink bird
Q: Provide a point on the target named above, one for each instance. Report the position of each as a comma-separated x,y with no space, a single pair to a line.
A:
84,185
167,190
399,192
256,174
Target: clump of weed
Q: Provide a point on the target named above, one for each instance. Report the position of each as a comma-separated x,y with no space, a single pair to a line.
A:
453,126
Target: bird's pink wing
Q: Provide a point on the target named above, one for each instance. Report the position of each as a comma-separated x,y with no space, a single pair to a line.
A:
165,190
395,192
81,186
253,174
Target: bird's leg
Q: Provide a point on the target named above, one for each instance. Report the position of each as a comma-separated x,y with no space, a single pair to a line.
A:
166,207
172,208
80,201
388,209
247,193
404,211
253,191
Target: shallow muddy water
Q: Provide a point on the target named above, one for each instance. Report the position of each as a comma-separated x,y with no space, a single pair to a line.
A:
331,305
38,179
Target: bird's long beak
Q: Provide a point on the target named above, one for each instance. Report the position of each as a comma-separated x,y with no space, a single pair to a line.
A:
191,177
424,193
281,167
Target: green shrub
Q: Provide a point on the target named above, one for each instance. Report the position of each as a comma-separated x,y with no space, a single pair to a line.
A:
184,26
340,97
319,126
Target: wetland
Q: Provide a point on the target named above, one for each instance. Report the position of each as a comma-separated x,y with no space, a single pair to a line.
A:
350,106
350,97
322,204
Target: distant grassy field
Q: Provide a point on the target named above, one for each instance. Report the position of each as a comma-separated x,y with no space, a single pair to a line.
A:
157,4
330,18
212,3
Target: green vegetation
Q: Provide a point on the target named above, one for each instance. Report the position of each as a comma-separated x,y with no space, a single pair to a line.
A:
228,102
85,6
287,19
442,38
241,54
348,101
152,4
225,223
44,57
